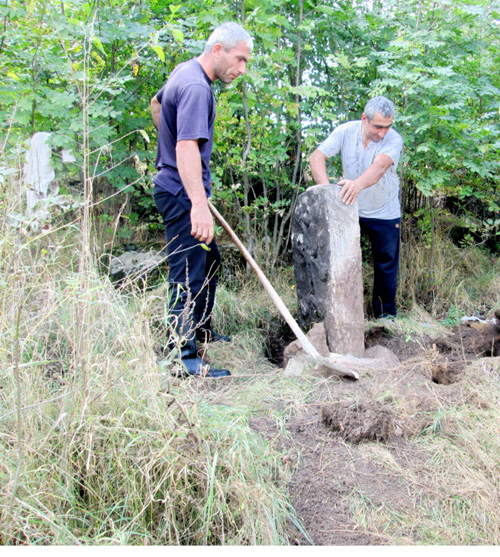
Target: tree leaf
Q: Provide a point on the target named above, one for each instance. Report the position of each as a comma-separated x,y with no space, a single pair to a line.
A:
178,35
98,44
159,51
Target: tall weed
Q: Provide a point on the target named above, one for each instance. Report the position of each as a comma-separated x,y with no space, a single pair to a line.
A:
467,279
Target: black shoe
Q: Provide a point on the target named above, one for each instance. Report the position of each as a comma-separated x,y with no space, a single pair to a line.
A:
207,335
195,367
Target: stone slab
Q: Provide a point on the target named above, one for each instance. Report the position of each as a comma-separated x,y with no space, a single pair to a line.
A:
327,253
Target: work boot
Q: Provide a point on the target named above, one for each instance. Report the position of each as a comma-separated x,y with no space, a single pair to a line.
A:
194,366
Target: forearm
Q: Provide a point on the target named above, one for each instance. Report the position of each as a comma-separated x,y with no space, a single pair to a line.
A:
190,171
317,162
352,188
155,111
371,175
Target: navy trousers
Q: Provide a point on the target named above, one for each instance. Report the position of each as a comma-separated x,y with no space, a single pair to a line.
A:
192,268
384,237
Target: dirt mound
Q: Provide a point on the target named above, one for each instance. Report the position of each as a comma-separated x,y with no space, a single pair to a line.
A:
403,347
341,439
364,420
473,340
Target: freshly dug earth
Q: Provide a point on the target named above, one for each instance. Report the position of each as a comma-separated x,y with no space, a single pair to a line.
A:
363,420
328,442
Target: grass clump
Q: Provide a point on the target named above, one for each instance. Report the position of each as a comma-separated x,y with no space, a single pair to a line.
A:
444,275
98,453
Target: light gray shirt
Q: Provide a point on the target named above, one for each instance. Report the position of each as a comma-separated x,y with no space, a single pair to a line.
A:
380,201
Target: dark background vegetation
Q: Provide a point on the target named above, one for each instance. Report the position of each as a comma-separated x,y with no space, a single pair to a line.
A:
86,72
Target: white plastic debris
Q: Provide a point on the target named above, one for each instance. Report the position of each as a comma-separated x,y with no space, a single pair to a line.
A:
475,319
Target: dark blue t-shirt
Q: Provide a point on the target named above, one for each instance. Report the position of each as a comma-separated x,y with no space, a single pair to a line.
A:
187,112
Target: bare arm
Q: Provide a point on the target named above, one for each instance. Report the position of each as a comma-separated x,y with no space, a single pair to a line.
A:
370,176
155,111
189,166
317,162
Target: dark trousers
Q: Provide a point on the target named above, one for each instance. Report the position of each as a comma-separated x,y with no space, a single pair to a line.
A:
384,237
192,268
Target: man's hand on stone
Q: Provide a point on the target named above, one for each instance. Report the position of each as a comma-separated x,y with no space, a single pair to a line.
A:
202,223
350,191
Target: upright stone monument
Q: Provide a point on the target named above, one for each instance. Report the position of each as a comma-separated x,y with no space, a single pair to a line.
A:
327,252
38,171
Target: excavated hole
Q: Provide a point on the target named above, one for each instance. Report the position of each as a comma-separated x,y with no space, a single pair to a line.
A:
279,336
447,373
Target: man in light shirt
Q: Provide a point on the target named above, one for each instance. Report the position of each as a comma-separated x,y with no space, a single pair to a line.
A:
370,149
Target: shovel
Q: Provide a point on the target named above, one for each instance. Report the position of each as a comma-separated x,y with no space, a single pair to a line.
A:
332,360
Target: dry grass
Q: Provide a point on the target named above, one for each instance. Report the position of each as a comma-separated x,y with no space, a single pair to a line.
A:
96,450
467,280
95,446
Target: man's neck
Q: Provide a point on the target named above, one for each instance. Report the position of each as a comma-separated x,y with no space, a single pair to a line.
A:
206,63
364,137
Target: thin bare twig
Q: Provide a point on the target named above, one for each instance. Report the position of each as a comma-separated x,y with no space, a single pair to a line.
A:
16,355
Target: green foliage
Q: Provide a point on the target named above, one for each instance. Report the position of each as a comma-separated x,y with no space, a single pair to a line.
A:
72,65
84,72
454,317
440,69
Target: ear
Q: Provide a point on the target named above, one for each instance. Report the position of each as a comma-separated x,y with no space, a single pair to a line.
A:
364,118
217,50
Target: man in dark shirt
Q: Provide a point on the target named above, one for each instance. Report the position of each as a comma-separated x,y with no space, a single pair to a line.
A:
184,113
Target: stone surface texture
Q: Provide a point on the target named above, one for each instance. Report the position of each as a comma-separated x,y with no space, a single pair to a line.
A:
327,253
38,171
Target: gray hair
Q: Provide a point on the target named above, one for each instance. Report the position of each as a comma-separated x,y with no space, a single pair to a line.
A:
379,105
229,35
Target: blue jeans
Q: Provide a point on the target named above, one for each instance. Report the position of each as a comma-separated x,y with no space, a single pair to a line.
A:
192,269
384,237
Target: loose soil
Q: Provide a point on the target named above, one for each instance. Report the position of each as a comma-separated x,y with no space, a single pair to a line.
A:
326,444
